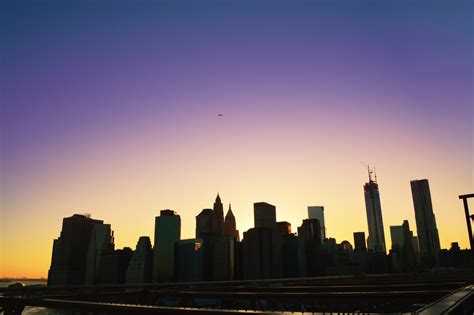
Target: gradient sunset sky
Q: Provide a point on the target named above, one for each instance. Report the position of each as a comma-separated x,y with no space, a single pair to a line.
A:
111,108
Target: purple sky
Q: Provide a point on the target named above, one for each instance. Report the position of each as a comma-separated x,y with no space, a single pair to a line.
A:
91,80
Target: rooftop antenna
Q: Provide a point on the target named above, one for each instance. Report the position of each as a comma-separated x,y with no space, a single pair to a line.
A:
370,173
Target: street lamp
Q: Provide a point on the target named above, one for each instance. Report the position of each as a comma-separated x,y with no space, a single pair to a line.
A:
468,219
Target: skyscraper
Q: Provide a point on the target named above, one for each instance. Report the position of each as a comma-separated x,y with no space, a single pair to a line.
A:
264,215
140,266
359,241
167,232
218,217
204,222
261,251
317,212
310,234
374,216
230,226
114,265
397,236
189,260
224,259
102,239
425,222
69,259
261,245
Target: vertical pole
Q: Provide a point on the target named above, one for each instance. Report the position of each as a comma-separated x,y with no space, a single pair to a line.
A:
469,227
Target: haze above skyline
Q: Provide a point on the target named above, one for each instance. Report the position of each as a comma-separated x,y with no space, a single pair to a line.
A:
111,108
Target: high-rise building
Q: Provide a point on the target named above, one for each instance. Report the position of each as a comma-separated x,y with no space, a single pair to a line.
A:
204,222
102,239
409,252
310,233
359,241
140,266
261,254
317,212
398,239
189,260
230,227
114,265
69,259
374,216
218,217
167,232
224,259
264,215
425,222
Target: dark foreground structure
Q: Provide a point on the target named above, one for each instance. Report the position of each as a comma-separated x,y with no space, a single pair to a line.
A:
435,293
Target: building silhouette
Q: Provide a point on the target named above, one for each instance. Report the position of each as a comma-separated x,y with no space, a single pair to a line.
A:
114,265
218,217
102,239
376,241
310,233
261,245
69,259
284,228
293,256
317,212
425,222
264,215
204,222
396,234
189,260
359,241
230,226
167,232
224,259
140,266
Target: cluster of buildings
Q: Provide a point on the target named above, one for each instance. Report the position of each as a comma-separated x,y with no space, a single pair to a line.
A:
85,253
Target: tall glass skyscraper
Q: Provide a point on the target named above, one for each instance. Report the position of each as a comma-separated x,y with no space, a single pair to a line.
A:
317,212
374,216
425,221
167,232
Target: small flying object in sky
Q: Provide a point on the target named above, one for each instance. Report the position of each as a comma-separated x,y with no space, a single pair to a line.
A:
220,115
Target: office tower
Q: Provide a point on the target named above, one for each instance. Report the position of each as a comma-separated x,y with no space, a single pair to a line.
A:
396,233
425,222
204,222
167,232
317,212
189,260
102,238
224,259
264,215
359,241
376,240
230,227
416,246
310,232
140,266
114,265
261,254
284,228
408,250
218,217
69,259
293,256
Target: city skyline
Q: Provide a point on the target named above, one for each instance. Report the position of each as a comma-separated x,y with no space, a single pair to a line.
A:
166,229
124,110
